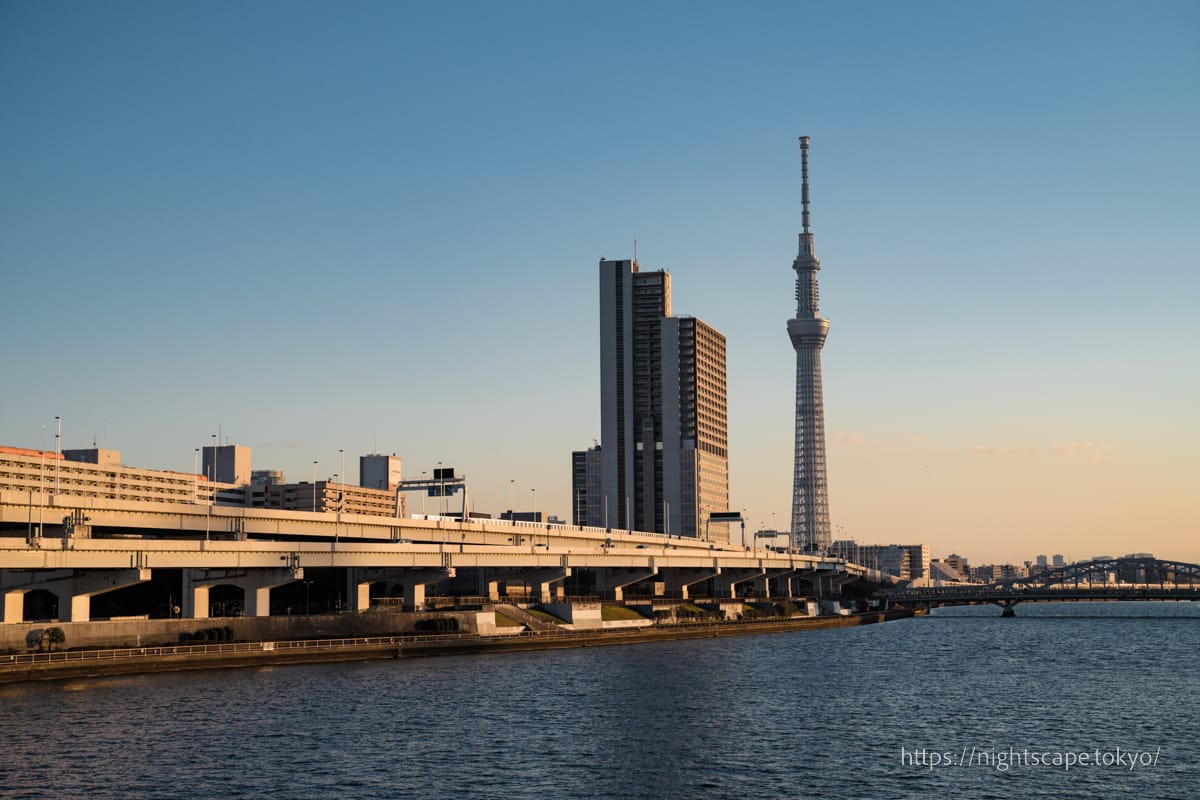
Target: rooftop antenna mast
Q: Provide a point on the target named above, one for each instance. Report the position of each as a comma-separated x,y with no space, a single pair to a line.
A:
806,244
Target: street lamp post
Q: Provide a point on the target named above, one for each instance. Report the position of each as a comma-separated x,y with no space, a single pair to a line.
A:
41,488
441,478
424,492
511,512
196,476
337,519
57,452
535,516
314,488
212,464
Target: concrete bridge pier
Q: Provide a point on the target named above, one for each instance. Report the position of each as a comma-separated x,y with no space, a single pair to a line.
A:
543,579
611,582
825,583
786,582
1008,606
726,584
414,583
14,604
256,585
762,584
73,589
360,579
679,580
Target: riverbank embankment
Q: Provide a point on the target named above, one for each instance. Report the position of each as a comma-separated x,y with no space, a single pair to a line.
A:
117,661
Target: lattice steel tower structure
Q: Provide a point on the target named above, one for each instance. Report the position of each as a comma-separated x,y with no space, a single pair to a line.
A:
810,496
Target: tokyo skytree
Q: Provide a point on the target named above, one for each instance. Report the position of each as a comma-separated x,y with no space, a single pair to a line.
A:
810,497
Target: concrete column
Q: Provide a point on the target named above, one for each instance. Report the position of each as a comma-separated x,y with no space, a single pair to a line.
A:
358,585
547,578
14,605
680,579
195,603
726,586
824,581
360,595
414,583
613,580
542,579
74,591
256,586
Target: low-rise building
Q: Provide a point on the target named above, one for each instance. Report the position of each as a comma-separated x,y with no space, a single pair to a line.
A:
326,496
43,472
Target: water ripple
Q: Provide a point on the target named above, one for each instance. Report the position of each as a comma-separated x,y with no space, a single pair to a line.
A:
823,714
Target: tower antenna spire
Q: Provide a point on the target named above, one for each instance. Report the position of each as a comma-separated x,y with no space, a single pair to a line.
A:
806,244
810,491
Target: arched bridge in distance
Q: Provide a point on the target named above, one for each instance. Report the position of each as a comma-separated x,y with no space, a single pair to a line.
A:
1102,579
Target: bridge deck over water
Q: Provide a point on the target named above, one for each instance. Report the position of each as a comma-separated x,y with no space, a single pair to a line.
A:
1100,579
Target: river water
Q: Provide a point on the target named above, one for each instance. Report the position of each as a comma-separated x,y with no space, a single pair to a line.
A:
845,713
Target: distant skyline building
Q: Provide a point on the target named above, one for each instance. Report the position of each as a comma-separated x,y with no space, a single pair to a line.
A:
810,530
94,455
586,498
663,456
907,561
267,477
959,563
377,471
695,427
227,463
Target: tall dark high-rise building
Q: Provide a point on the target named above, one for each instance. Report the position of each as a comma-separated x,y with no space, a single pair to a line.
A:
585,488
810,494
663,434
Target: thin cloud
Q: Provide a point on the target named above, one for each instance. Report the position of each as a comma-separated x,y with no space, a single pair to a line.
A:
849,438
984,449
1085,448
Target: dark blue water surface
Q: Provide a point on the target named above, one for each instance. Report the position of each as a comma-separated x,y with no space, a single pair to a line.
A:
848,713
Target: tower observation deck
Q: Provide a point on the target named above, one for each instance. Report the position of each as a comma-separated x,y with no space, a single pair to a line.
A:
810,498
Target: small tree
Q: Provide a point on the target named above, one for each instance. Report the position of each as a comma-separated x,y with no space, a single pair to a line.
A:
55,636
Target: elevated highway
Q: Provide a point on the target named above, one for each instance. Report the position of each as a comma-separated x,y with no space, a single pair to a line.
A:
96,545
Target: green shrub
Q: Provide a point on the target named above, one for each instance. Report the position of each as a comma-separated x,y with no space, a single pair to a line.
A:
785,609
55,636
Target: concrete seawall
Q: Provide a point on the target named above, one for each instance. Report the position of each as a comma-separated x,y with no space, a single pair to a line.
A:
76,664
21,636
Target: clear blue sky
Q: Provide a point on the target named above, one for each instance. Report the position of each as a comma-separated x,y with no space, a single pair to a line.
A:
375,226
